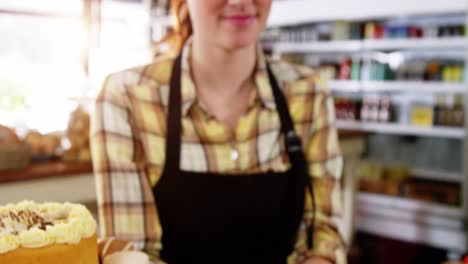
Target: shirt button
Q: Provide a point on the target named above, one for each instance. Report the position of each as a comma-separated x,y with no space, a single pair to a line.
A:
234,154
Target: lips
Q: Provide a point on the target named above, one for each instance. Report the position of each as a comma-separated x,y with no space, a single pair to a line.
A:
240,20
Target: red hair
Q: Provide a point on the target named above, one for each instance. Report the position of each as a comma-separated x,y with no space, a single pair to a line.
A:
182,27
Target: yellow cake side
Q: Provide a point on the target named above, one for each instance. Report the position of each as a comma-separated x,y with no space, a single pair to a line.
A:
85,252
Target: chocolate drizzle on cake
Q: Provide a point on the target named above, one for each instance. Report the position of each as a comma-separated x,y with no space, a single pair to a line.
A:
14,222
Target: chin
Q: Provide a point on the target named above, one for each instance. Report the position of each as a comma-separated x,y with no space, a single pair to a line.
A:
239,42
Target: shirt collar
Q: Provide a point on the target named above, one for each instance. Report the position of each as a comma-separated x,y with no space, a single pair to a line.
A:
263,88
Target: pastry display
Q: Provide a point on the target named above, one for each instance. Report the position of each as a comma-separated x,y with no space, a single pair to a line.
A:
43,145
8,136
14,154
78,136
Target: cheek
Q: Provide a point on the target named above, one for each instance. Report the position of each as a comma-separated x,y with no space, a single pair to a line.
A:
204,13
264,6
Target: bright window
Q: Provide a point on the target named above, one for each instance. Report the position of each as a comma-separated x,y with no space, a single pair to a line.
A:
43,57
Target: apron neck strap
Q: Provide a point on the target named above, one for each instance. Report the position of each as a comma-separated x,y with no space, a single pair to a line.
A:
174,123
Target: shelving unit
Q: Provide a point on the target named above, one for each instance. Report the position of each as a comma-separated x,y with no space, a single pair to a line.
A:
411,44
344,46
405,219
442,176
347,46
435,225
397,86
398,129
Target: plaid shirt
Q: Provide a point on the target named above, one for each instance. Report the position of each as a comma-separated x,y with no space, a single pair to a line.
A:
128,146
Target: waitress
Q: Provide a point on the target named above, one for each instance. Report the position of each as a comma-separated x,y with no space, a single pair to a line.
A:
215,154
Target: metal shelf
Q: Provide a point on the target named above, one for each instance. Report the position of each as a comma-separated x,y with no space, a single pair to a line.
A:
410,220
384,201
429,174
430,43
399,129
414,232
397,86
348,46
344,46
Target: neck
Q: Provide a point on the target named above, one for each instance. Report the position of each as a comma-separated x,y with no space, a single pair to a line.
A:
220,70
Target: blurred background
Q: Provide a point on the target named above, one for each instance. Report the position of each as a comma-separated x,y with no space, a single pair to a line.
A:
397,70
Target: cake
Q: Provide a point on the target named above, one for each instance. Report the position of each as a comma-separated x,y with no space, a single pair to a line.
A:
47,233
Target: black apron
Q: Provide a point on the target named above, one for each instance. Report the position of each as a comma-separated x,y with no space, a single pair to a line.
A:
212,218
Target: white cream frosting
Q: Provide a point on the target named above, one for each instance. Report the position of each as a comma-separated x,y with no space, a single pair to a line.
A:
34,238
8,242
31,225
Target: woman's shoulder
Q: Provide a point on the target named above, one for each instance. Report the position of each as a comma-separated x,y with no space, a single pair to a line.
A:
144,83
155,74
298,78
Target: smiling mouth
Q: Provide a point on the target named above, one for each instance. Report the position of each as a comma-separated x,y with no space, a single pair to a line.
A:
240,20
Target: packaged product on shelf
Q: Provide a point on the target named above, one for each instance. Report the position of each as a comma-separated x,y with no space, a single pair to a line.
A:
430,31
385,111
422,115
324,32
341,31
440,111
430,191
449,110
377,178
374,109
459,111
357,31
345,70
451,31
453,72
356,70
365,109
379,32
370,110
432,71
369,30
380,71
415,32
347,109
365,70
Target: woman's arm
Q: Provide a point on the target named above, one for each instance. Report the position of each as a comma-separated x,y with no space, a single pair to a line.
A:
125,201
325,167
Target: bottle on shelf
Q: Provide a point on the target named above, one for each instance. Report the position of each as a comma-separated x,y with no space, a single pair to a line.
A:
432,72
356,70
345,70
439,110
458,111
374,109
385,111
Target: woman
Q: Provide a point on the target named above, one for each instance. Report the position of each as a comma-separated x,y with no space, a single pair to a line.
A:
209,156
